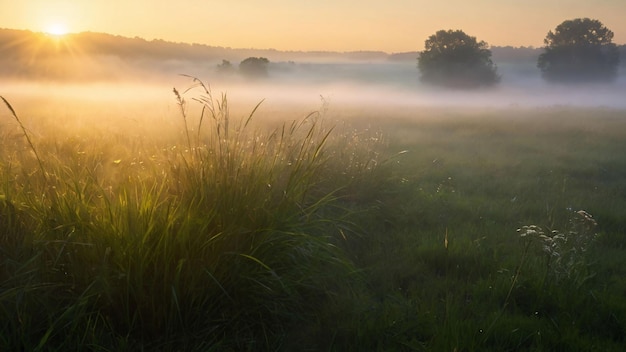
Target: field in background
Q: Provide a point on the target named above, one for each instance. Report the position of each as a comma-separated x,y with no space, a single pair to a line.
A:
367,226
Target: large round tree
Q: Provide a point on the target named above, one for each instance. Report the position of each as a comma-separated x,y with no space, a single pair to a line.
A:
254,67
455,59
579,50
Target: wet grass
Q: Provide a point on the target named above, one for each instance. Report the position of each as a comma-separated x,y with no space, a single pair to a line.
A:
471,179
212,232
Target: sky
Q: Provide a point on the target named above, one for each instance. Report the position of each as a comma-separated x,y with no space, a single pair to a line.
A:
310,25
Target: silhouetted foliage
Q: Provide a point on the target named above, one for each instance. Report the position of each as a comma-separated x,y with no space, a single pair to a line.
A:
254,66
455,59
225,67
579,50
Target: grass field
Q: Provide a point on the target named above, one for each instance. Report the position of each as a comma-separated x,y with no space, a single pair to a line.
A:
378,229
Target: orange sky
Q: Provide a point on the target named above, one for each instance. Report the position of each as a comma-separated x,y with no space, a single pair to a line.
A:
335,25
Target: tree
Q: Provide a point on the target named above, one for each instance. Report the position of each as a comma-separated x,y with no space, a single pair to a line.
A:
254,66
455,59
225,68
579,50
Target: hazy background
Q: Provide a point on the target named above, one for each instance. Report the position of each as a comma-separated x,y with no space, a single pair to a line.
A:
119,72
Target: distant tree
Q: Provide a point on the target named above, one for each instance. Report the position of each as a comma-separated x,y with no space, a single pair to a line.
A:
225,67
579,50
254,66
455,59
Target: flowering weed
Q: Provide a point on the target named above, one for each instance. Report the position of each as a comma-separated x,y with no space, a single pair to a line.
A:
564,251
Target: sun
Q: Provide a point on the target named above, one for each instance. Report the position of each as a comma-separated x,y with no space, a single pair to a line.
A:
56,29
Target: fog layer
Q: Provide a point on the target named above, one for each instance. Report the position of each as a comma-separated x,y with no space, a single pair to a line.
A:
398,84
381,83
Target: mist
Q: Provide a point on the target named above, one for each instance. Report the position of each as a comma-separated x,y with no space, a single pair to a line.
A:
338,84
398,84
97,68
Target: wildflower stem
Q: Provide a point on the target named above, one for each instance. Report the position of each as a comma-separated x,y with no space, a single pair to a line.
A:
30,142
518,270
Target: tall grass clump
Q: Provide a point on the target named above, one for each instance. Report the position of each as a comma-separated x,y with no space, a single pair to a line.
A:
225,237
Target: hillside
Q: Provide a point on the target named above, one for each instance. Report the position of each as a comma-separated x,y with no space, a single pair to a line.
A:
88,56
26,54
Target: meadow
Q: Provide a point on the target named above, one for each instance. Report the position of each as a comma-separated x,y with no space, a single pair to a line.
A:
206,226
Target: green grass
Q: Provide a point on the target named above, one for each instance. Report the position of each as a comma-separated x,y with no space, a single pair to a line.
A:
478,176
395,231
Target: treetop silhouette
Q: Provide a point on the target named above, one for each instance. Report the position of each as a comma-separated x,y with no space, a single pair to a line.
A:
579,50
454,59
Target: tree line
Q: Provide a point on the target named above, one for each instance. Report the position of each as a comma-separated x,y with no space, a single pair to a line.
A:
577,51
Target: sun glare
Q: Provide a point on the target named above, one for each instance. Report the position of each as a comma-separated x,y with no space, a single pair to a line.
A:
56,29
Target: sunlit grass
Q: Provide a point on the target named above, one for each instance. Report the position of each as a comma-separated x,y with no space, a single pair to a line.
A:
203,229
220,229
